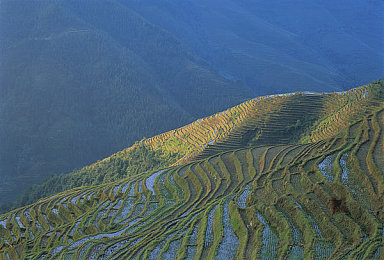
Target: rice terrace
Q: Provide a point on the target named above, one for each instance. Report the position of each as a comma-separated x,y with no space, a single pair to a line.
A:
285,176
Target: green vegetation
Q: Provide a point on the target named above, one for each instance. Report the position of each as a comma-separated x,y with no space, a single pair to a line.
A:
317,200
278,119
141,159
83,80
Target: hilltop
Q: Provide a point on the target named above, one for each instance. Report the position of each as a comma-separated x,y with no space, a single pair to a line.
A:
290,176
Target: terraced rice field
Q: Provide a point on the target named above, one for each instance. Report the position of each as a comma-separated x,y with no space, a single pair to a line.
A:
268,200
273,119
261,121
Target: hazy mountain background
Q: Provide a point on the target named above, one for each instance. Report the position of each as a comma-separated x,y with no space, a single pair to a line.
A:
82,79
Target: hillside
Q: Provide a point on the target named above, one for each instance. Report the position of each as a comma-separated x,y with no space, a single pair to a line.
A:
319,44
319,194
298,117
81,80
74,90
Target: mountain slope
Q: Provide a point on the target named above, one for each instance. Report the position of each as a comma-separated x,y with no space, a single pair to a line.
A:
276,119
321,45
322,199
83,79
74,89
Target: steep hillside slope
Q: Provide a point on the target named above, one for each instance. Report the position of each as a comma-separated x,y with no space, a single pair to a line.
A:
83,79
322,199
318,200
299,117
319,44
77,85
